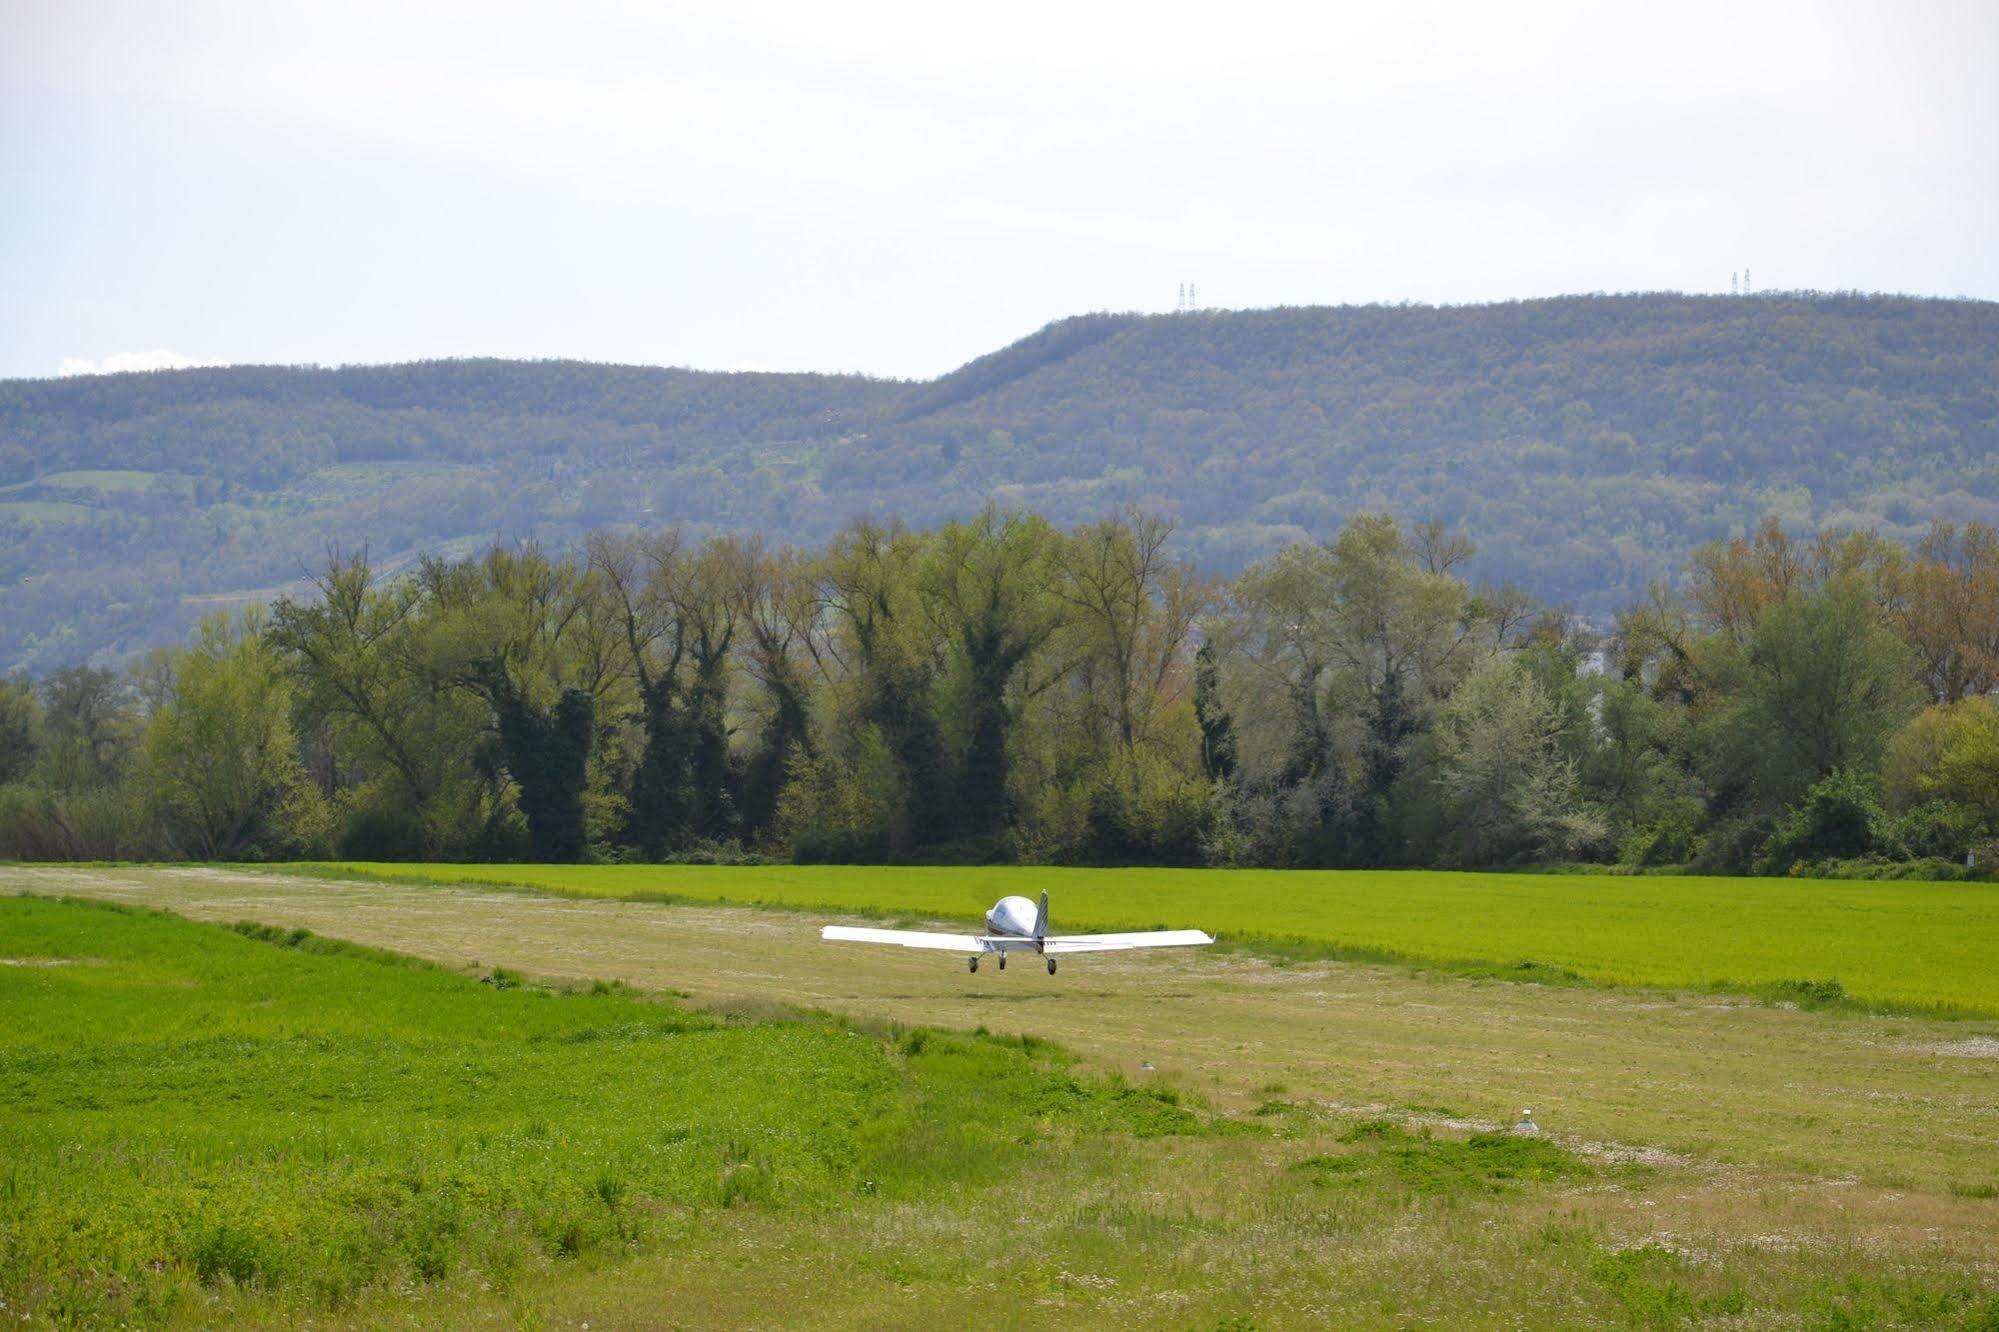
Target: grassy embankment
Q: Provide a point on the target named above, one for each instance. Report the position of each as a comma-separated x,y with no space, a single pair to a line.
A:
201,1125
1925,947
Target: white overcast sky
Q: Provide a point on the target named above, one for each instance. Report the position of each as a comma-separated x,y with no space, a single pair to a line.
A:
896,188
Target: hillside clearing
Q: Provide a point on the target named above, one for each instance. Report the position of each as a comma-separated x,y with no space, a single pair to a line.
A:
106,479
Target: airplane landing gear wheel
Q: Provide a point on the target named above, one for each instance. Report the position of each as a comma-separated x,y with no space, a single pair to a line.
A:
1002,961
971,964
1051,966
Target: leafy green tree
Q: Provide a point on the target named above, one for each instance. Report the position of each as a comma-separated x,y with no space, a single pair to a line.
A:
1944,602
706,594
547,751
400,735
20,720
1819,686
1292,803
890,662
678,609
1127,740
1948,752
1635,771
89,729
987,586
1657,642
533,640
1289,616
1342,652
220,754
836,811
781,615
1131,607
1218,742
1402,637
1507,790
634,575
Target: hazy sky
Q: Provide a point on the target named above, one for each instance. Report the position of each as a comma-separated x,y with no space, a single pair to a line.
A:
896,188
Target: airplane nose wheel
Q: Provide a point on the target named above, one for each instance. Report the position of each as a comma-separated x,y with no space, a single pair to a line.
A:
1002,961
971,964
1051,966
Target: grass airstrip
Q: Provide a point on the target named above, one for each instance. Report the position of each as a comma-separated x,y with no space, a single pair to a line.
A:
1923,946
521,1109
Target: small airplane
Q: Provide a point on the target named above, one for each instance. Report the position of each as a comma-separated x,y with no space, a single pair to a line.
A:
1015,925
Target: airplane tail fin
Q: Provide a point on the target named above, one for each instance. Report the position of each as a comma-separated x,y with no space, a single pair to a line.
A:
1041,917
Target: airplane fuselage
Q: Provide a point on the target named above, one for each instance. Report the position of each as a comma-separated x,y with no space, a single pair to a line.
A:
1014,916
1016,925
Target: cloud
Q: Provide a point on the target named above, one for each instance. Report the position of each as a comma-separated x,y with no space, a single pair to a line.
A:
119,363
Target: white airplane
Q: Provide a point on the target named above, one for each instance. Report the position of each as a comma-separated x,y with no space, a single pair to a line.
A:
1016,926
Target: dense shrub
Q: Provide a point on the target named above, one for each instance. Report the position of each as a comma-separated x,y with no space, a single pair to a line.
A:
1839,818
373,832
1935,830
1673,838
1880,867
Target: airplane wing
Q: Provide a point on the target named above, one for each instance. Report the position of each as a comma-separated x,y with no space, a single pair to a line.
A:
1104,943
955,943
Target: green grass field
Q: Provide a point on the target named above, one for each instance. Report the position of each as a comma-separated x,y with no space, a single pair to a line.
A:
203,1125
188,1109
1925,946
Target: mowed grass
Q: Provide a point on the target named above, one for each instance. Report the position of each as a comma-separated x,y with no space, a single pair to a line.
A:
1919,946
204,1126
191,1113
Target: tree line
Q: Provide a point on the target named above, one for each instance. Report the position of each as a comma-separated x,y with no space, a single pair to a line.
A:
1002,689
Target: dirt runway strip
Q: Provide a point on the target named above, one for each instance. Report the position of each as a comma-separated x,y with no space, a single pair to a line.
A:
1892,1102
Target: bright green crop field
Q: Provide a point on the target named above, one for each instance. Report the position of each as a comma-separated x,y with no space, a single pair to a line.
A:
1923,946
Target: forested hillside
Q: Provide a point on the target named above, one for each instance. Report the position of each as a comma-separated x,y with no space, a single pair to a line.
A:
1586,444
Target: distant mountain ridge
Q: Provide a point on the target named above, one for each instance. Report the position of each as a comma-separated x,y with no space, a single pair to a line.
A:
1585,443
